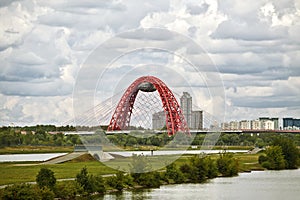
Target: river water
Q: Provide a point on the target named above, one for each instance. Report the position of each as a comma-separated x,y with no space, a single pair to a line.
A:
273,185
29,157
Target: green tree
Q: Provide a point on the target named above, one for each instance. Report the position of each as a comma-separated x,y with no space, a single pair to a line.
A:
46,178
117,181
212,171
173,173
26,192
199,169
275,158
83,179
67,189
289,151
227,165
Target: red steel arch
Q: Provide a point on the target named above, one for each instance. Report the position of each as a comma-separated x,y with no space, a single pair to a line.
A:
175,120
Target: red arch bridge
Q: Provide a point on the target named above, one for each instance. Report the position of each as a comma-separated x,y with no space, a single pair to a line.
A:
147,95
174,117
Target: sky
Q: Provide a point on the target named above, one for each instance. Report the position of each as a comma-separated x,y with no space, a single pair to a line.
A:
238,59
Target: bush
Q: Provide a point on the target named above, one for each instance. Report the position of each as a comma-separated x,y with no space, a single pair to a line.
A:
67,189
174,174
46,178
262,159
289,151
150,179
266,164
227,165
199,169
212,168
26,191
275,158
90,183
117,181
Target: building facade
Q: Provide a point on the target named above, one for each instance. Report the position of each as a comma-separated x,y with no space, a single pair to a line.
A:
291,123
194,119
186,103
275,120
245,124
158,120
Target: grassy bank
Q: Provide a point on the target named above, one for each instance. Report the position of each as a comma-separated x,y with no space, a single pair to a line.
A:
35,149
26,172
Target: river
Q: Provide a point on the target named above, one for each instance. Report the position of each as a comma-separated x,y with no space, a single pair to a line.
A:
29,157
47,156
255,185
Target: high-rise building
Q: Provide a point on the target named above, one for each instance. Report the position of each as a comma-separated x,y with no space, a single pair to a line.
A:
291,123
245,125
186,107
274,119
234,125
196,121
255,124
158,120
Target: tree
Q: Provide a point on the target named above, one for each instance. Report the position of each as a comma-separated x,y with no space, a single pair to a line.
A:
227,165
289,151
90,183
212,171
26,192
275,158
173,173
117,181
83,180
67,189
46,178
199,169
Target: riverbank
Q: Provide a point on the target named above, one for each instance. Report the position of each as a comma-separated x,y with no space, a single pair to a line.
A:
14,172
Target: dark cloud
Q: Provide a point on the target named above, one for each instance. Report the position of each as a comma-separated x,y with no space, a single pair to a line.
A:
4,3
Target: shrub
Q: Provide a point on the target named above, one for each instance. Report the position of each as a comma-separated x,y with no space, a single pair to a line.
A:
289,151
227,165
275,158
262,159
173,173
46,178
67,189
117,181
26,191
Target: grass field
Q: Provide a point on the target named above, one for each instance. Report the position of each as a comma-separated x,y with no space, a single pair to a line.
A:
36,149
26,172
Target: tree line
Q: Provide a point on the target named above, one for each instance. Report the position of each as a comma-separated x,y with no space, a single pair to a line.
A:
282,154
37,135
258,140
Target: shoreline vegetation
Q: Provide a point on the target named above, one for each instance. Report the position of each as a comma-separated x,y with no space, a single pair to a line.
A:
89,181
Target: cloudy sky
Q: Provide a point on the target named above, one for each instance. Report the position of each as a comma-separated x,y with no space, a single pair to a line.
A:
49,51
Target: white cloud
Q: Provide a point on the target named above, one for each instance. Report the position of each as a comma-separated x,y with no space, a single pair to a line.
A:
254,44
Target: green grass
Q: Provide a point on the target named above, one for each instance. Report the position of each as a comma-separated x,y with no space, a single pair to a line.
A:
15,173
26,172
36,149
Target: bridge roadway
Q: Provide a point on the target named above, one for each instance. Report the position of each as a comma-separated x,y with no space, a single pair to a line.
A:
249,131
213,131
